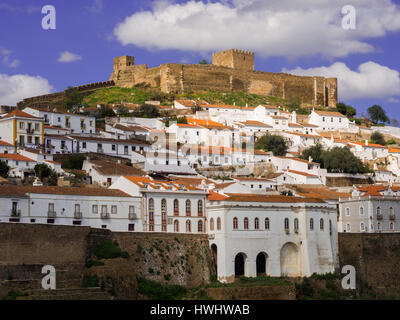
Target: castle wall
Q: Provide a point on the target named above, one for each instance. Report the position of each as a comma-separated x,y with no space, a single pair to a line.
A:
231,70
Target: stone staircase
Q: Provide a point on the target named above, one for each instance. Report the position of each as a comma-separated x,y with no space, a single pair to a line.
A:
67,294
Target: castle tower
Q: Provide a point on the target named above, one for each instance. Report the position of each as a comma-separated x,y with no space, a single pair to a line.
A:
123,62
234,58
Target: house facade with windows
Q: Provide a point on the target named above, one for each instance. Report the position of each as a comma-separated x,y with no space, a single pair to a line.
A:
22,129
271,235
168,206
329,121
97,208
370,209
75,122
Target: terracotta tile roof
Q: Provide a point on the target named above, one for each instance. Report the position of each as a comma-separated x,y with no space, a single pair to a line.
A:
55,128
143,182
370,145
20,113
187,125
267,106
202,122
318,192
186,103
304,135
393,150
329,113
52,162
15,157
255,123
269,198
129,128
75,191
218,127
252,179
291,124
6,144
279,117
306,174
296,159
221,186
307,124
214,196
111,168
120,141
195,181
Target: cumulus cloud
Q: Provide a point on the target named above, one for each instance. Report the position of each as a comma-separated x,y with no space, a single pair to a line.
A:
6,58
67,57
271,28
14,88
370,80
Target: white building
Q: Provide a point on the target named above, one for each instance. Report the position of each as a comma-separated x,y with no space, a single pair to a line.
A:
75,122
329,121
167,206
95,207
271,235
372,208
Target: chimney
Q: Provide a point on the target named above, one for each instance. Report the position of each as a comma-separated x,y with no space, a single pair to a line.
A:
309,159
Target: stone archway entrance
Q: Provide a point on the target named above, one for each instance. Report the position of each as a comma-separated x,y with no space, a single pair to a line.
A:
290,266
240,261
262,264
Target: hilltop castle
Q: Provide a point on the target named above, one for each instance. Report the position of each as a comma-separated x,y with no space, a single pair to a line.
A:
231,70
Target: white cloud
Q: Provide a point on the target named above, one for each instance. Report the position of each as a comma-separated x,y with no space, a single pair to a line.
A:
6,58
97,6
66,57
370,80
14,88
271,28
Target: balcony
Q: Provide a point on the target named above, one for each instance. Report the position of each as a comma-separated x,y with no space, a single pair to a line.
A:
51,214
83,126
29,130
15,212
132,216
105,215
78,215
379,216
392,216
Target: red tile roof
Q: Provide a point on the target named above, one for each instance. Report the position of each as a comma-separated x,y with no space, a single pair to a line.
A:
269,198
19,113
16,157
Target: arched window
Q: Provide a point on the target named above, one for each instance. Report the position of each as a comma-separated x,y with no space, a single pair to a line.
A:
200,226
163,215
361,211
151,214
188,207
200,208
379,226
176,207
212,224
362,227
321,224
286,224
176,226
266,223
347,212
163,205
296,224
378,210
218,223
246,223
391,212
311,224
256,223
235,223
188,226
391,226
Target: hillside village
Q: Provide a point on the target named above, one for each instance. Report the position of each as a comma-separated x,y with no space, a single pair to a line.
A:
270,181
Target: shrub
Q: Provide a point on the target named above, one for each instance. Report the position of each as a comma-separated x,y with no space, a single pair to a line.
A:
157,291
73,162
167,277
90,263
90,281
107,250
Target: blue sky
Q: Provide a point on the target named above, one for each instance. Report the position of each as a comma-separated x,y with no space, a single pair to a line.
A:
299,36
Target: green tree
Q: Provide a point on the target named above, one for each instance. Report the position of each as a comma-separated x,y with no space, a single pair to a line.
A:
43,171
377,114
146,111
315,152
274,143
342,160
350,111
73,99
204,61
4,169
106,112
341,107
74,161
378,138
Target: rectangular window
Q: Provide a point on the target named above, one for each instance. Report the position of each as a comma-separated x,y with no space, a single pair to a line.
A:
95,208
131,227
84,145
29,140
21,125
103,209
37,140
77,208
37,126
113,147
114,209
